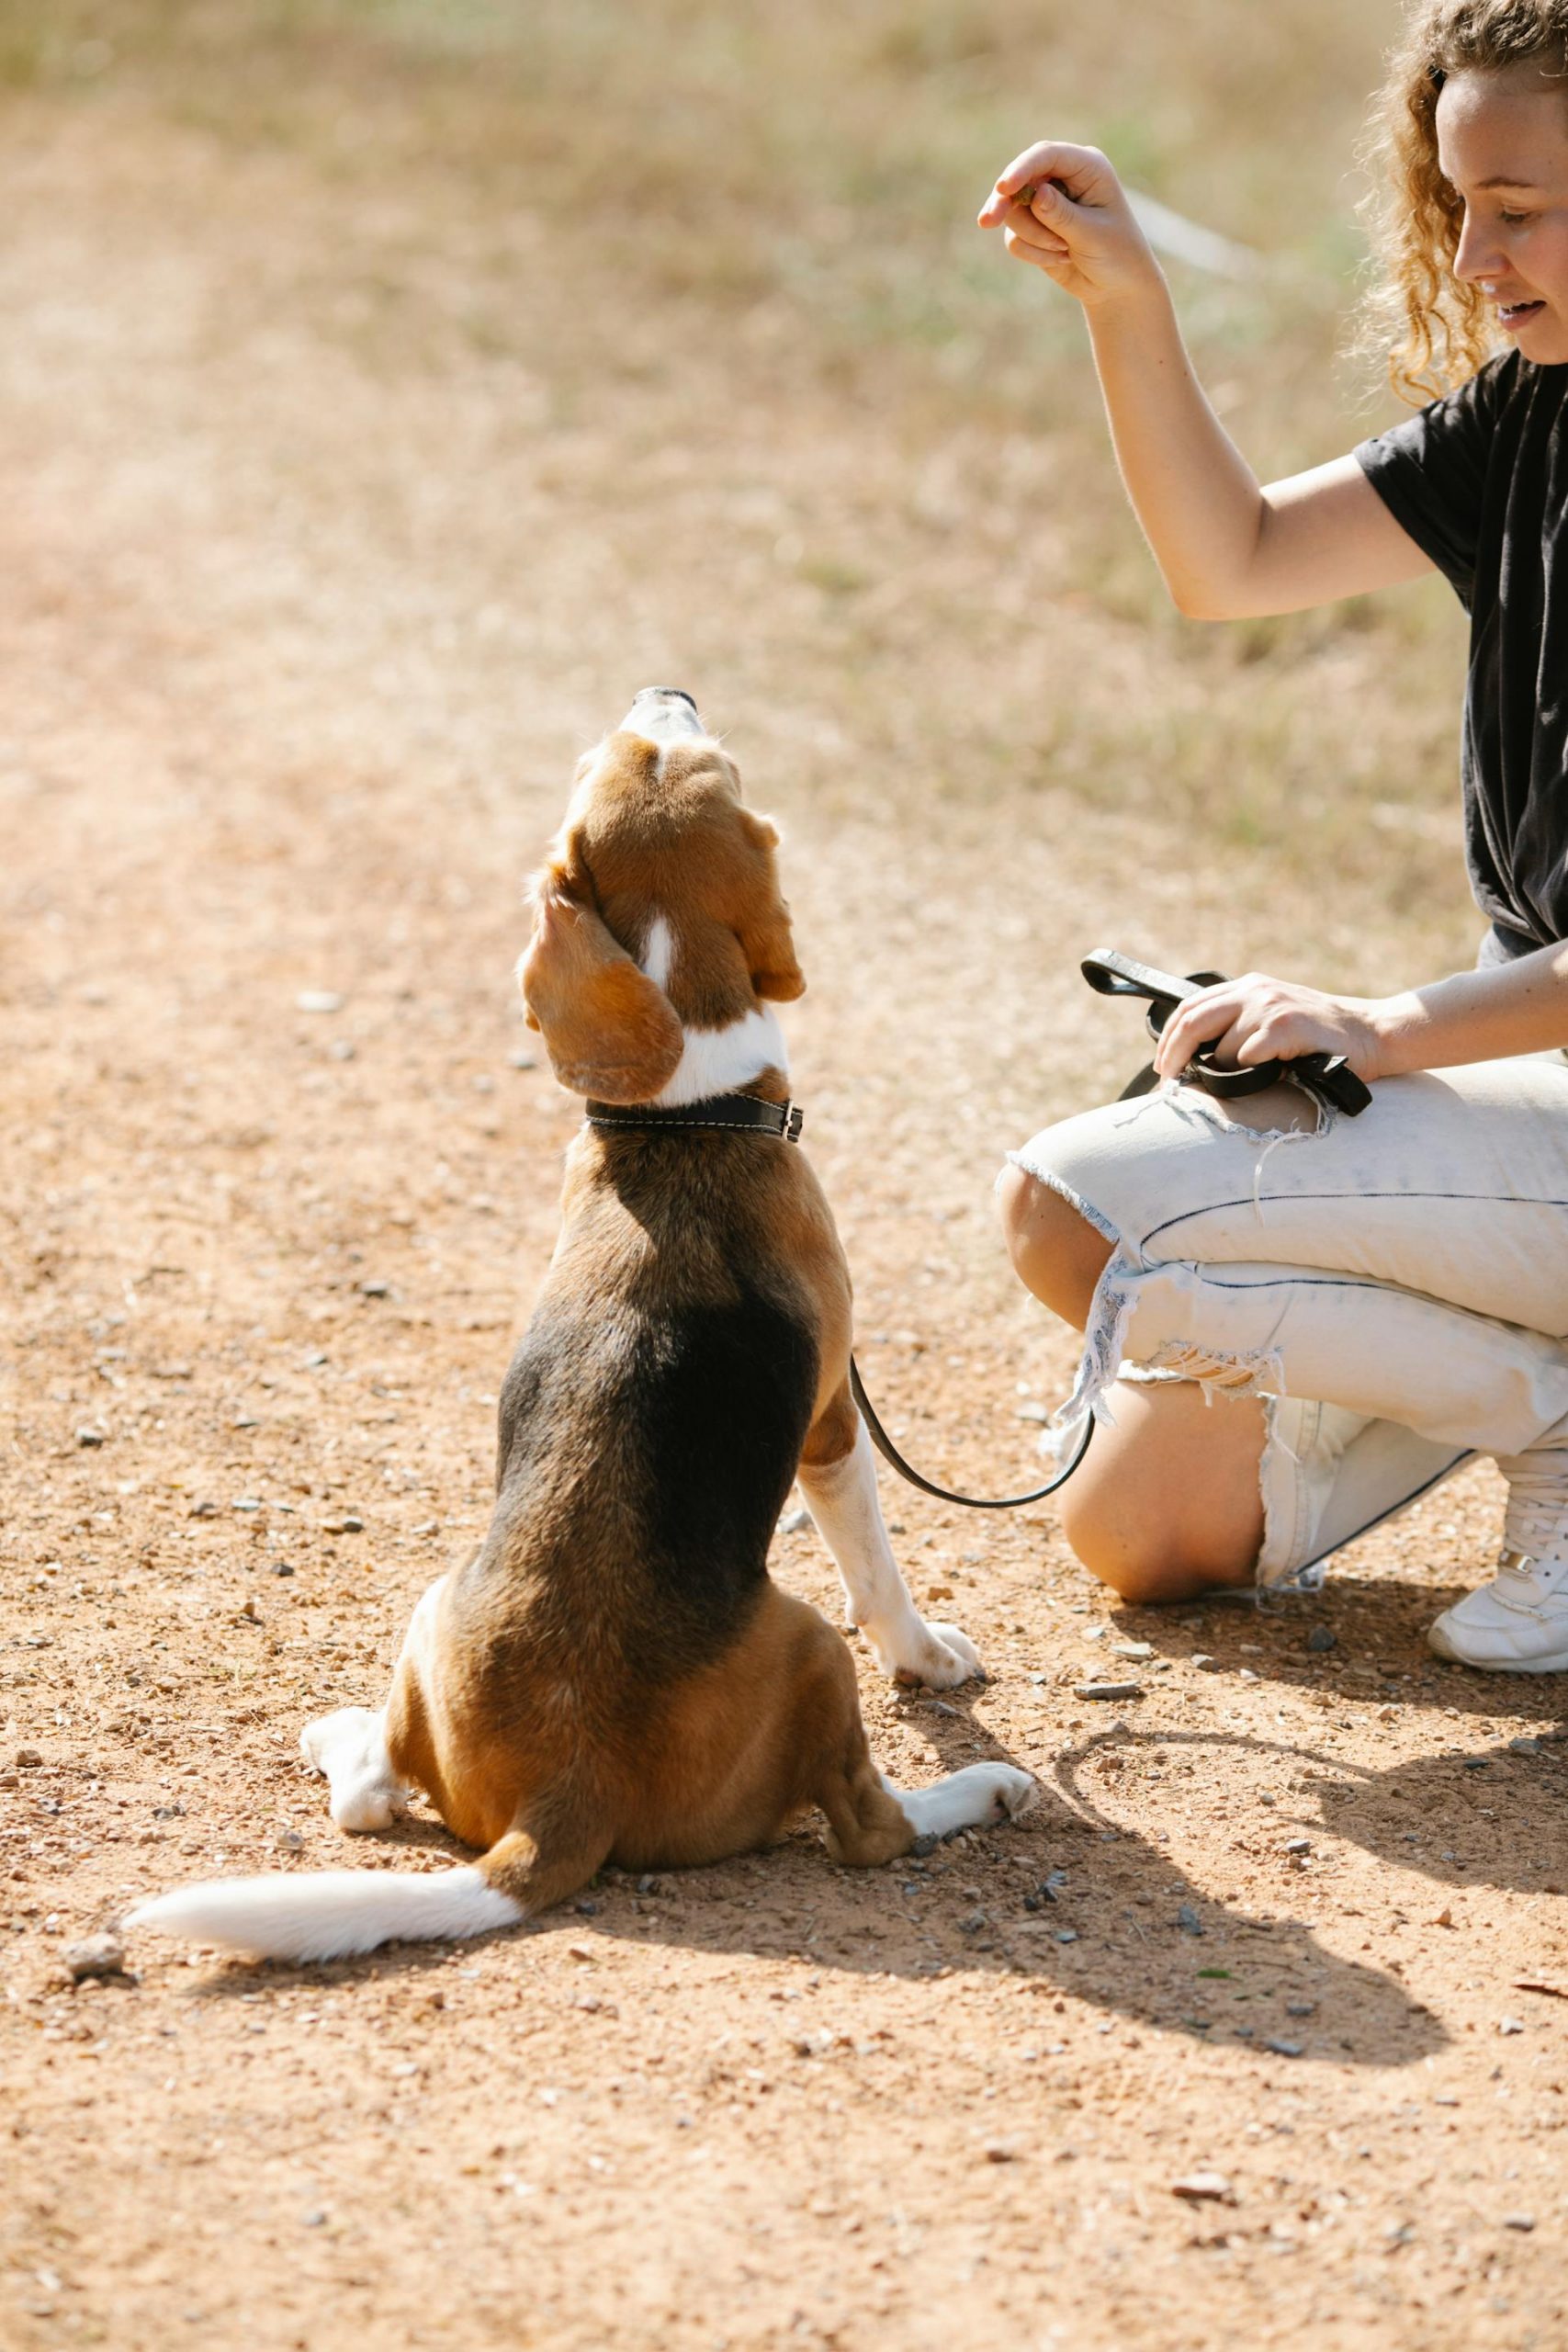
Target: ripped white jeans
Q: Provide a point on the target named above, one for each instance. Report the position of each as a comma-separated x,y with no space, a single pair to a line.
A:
1395,1286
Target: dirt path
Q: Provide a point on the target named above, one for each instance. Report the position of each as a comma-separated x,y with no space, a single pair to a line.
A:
313,588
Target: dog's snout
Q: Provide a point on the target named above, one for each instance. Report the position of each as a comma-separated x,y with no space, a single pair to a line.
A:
664,713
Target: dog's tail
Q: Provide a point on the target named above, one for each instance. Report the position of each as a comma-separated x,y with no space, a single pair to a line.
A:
326,1915
329,1915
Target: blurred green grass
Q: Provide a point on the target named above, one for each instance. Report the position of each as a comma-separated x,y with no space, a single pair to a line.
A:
818,169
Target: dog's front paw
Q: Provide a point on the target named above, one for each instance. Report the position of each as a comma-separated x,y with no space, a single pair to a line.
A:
937,1654
350,1748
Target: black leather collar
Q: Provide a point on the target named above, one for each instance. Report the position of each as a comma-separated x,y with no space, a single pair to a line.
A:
740,1113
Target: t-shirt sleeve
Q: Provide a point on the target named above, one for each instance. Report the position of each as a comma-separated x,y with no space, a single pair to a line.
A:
1430,472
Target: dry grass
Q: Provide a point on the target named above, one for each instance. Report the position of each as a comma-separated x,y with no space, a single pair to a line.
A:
801,184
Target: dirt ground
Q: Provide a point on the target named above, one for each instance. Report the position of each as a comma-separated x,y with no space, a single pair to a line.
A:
304,627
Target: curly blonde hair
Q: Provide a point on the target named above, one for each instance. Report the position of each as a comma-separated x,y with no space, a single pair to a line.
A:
1434,331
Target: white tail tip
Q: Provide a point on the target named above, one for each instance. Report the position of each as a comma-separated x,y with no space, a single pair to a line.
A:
327,1915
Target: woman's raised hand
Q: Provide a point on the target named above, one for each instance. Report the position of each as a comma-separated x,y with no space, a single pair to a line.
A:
1064,210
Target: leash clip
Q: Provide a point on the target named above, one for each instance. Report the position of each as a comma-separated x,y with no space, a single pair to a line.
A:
794,1123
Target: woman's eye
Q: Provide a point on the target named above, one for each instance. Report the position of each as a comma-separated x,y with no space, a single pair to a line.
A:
1512,219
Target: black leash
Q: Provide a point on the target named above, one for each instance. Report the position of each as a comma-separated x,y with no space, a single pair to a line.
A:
891,1455
1327,1076
1109,973
748,1114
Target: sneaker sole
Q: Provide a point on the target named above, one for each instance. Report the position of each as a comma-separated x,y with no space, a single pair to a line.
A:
1557,1663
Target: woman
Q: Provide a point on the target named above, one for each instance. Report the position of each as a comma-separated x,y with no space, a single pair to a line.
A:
1371,1299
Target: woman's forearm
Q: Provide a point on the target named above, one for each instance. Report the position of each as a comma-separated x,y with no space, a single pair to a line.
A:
1490,1015
1198,500
1519,1008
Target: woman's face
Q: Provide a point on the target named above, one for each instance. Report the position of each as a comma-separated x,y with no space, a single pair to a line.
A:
1503,146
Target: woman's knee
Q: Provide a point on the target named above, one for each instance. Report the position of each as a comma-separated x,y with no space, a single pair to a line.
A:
1055,1252
1167,1504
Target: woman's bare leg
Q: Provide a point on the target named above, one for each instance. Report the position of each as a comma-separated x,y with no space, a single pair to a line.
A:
1167,1503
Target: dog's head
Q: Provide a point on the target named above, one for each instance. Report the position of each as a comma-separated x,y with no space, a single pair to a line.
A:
657,909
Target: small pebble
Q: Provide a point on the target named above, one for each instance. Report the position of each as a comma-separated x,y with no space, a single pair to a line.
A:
1108,1690
1188,1922
1285,2049
1066,1935
1473,1763
318,1000
376,1290
282,1568
1509,2025
26,1758
1298,1845
1203,2187
1246,1674
1300,2008
972,1925
89,1434
1032,1413
1321,1639
1005,2152
1204,1663
1134,1649
95,1956
520,1059
1518,2222
792,1521
1524,1747
290,1841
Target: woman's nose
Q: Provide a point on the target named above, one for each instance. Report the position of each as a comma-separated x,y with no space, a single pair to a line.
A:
1476,254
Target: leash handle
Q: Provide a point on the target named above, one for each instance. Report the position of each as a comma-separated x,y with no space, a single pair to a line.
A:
1328,1076
895,1460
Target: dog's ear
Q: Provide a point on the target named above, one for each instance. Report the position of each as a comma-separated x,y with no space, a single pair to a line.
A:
610,1032
766,939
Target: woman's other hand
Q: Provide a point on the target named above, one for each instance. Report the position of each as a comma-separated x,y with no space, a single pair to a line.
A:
1064,210
1256,1019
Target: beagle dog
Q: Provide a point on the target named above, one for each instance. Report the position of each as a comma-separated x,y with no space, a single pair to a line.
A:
614,1677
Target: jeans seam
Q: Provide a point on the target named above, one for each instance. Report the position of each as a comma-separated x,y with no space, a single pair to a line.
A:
1359,1192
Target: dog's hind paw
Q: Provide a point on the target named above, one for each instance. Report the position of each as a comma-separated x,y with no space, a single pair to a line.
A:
980,1794
1014,1792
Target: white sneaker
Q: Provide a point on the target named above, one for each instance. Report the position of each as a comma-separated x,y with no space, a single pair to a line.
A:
1516,1625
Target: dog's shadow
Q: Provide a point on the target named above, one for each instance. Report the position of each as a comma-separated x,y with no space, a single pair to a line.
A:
1064,1903
1061,1902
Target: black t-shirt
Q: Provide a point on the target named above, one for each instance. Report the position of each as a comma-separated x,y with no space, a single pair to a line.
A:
1480,481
